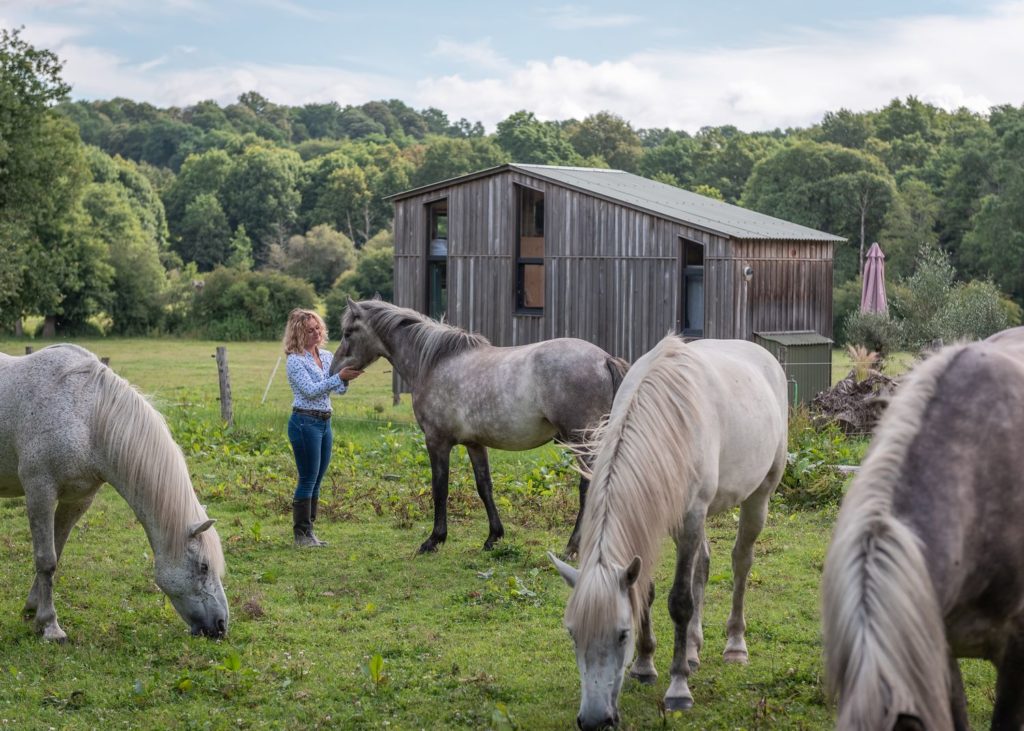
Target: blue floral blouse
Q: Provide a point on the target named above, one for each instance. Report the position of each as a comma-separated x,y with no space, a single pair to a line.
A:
311,385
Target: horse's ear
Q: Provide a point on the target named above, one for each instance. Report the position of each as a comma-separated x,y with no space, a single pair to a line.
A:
632,572
568,572
197,528
354,307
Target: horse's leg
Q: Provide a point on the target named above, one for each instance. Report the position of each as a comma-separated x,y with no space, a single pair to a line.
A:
439,457
957,697
1008,712
63,521
695,638
41,502
643,667
573,546
753,514
680,608
484,488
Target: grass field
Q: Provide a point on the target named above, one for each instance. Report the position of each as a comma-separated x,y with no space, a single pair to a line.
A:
364,634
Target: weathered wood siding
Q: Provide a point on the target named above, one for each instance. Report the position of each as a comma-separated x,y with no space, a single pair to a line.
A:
612,273
791,288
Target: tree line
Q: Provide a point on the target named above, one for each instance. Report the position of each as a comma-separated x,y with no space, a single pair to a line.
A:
123,210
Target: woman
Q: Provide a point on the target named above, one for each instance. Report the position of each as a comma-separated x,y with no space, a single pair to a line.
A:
309,428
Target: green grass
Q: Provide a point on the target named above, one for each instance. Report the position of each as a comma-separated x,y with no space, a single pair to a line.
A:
364,634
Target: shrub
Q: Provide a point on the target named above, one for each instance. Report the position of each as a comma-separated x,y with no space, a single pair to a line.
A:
238,305
876,331
845,301
974,311
811,479
372,275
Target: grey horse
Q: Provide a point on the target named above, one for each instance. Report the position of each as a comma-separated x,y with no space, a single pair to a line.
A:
926,562
67,425
467,391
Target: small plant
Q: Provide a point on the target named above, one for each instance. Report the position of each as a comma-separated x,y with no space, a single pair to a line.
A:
374,668
256,529
864,361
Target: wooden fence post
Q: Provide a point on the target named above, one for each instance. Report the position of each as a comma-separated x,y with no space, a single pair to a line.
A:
28,350
226,412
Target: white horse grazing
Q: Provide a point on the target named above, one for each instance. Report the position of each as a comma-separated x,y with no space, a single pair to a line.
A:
926,563
695,429
67,425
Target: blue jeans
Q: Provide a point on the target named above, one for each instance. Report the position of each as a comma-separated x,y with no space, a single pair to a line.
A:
311,440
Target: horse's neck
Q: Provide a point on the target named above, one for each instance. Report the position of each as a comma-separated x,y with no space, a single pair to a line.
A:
404,356
144,506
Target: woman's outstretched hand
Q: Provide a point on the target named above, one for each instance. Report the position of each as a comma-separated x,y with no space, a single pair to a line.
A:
348,374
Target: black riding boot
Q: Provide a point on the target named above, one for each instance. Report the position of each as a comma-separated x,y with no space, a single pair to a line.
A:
302,524
312,519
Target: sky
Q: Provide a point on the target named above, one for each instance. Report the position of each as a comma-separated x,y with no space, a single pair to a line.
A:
678,64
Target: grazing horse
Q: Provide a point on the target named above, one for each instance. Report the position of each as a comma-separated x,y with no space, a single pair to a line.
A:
466,391
926,562
696,429
67,425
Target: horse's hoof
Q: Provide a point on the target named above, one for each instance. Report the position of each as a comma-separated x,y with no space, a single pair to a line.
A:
682,703
427,547
51,634
737,656
644,678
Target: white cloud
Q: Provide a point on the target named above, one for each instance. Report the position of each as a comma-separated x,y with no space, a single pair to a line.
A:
950,61
479,54
945,60
575,17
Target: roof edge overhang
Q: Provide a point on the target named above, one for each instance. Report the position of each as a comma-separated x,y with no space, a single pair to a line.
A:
537,171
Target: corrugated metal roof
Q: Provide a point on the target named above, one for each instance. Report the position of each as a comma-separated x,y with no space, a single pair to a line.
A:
660,199
794,337
677,204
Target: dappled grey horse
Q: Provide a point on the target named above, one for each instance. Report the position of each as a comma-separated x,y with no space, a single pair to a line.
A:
67,425
467,391
696,429
926,562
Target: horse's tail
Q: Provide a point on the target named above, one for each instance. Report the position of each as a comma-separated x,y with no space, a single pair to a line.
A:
885,648
618,368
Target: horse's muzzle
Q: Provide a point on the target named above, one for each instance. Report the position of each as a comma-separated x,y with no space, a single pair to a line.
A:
216,631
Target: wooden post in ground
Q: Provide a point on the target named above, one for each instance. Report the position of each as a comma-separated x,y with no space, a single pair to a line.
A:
28,350
226,411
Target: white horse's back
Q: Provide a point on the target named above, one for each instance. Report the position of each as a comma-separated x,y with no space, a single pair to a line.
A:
36,398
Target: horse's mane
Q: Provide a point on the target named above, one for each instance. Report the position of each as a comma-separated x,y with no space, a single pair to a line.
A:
433,340
151,467
641,481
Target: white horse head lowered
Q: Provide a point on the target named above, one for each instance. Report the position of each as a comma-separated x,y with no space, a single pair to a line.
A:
67,425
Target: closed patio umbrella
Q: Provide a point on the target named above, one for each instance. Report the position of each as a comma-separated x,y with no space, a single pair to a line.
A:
872,295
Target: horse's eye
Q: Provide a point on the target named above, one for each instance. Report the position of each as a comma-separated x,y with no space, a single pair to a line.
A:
204,568
623,636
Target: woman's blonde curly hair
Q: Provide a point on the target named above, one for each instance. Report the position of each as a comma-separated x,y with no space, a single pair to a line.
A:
299,321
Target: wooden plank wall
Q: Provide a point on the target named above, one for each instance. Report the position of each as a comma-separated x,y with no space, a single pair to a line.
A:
612,272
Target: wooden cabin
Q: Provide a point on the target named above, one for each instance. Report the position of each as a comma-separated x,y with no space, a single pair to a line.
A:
522,253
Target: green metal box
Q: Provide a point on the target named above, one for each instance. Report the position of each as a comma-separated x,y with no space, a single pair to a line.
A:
806,357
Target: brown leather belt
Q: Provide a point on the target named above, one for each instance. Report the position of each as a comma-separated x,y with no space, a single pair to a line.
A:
323,415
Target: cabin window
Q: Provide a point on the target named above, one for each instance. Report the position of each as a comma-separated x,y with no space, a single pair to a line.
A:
529,250
437,259
691,298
